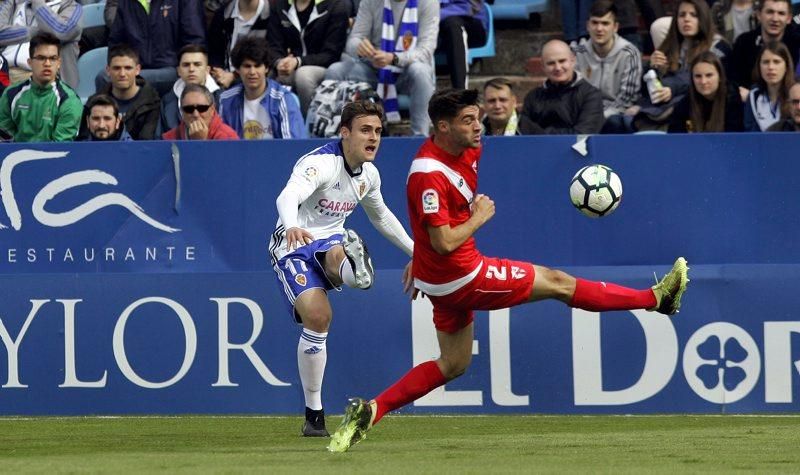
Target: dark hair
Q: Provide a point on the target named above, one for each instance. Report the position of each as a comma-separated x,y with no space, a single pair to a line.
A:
43,38
353,110
447,103
601,8
189,88
708,116
498,83
122,50
192,48
760,4
671,46
253,48
102,100
780,49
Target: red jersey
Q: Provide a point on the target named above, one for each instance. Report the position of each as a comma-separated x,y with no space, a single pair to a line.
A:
440,190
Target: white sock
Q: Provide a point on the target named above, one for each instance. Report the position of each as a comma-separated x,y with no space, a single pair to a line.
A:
347,274
312,355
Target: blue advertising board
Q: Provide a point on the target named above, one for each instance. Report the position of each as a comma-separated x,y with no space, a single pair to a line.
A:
135,278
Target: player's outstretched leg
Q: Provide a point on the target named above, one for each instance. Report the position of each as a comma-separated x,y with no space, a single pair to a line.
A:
360,274
357,421
670,289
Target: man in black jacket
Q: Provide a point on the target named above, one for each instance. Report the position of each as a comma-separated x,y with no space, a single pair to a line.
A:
138,102
306,38
566,103
157,30
775,17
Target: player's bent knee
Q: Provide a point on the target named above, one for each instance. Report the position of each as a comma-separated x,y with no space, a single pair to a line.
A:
317,320
451,369
558,284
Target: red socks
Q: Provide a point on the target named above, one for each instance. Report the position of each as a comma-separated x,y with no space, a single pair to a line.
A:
599,296
418,382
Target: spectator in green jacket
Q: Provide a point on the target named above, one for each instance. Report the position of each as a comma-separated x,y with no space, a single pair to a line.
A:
43,108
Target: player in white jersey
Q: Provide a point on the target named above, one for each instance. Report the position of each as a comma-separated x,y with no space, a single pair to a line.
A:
311,250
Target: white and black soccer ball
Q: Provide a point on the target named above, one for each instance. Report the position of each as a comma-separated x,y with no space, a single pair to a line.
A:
596,190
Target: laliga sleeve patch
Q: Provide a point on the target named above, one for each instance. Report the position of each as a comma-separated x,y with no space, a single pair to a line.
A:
430,201
310,173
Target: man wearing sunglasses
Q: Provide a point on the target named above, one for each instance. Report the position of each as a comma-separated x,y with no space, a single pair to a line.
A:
43,108
200,118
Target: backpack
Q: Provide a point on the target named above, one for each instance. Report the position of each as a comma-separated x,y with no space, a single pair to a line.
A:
325,110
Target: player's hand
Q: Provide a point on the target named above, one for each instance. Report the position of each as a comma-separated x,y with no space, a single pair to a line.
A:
408,281
381,59
662,95
482,208
197,130
297,237
658,61
365,49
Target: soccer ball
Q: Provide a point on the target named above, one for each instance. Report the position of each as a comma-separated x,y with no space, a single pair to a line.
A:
596,190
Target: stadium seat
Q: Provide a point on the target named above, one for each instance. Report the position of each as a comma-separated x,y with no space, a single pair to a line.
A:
517,9
91,63
93,15
487,50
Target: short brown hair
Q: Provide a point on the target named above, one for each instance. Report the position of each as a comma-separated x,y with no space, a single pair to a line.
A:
446,104
356,109
498,83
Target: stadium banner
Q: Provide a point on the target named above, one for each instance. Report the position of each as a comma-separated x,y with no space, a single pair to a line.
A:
134,279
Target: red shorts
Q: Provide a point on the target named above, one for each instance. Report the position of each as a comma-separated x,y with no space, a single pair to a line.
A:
502,283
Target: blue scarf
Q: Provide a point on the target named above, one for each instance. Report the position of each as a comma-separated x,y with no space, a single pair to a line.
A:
407,36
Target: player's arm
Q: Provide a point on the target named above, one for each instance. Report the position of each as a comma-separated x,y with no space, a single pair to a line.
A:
385,221
446,239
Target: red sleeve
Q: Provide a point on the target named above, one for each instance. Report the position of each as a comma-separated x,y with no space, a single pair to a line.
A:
171,134
427,198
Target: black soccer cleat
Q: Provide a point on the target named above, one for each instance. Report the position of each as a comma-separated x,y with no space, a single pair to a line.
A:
314,425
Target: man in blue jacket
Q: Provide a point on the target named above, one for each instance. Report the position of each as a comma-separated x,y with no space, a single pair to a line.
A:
157,30
259,107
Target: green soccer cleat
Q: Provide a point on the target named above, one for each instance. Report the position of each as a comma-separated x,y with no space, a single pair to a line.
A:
355,424
670,289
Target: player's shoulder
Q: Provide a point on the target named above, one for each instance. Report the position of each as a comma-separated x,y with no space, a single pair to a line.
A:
328,155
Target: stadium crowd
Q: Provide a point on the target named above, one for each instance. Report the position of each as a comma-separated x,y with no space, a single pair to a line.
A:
264,69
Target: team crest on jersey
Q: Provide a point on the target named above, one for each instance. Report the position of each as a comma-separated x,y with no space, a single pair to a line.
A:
300,279
361,189
310,172
430,201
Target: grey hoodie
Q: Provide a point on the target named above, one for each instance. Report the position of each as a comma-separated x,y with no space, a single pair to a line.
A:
618,75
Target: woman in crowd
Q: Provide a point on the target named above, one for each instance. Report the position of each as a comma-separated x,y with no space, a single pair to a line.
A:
691,32
712,104
767,103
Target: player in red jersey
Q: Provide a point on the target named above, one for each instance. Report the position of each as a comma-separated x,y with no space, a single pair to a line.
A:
445,213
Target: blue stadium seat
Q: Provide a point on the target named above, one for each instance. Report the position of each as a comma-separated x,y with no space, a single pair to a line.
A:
91,63
93,15
487,50
517,9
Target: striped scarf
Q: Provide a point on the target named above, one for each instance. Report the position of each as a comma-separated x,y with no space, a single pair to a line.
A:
407,36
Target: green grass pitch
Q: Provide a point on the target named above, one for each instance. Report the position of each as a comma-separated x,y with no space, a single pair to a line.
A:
405,444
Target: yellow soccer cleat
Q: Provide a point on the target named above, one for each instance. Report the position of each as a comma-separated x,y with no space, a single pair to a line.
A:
670,289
